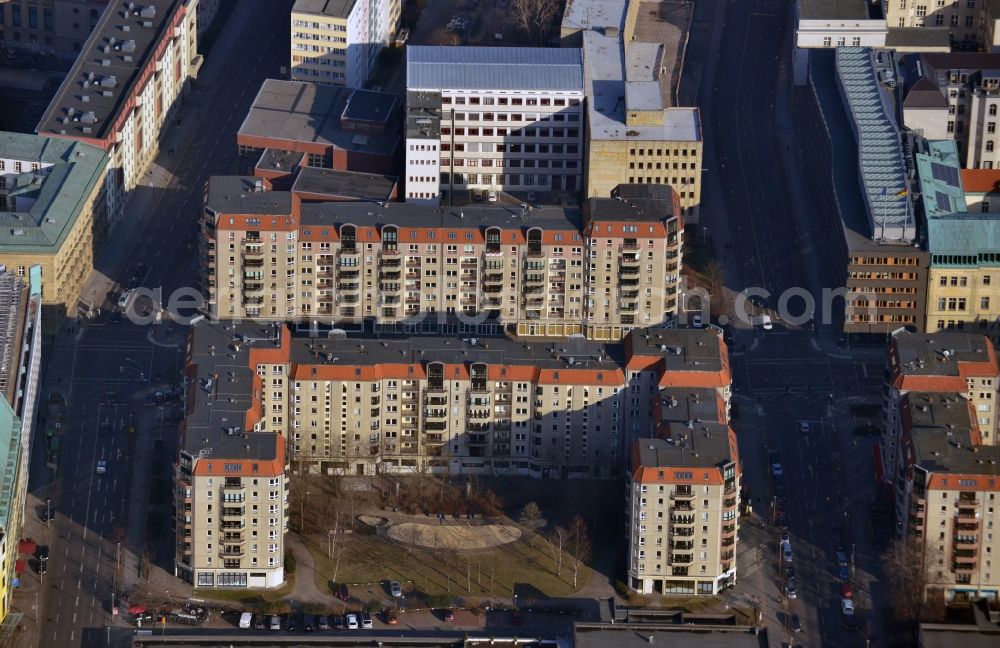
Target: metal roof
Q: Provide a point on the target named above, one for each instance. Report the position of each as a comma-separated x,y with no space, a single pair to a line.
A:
939,171
494,68
964,240
880,155
56,193
837,10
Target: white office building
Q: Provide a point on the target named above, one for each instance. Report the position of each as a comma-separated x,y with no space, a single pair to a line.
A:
493,119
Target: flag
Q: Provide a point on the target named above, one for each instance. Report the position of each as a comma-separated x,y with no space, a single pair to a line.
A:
902,192
884,192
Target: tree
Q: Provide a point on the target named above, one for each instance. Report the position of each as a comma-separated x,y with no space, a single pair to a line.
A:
579,545
530,514
554,545
906,564
534,17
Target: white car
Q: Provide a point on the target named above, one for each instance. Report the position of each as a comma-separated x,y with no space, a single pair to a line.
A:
352,622
786,551
395,588
804,427
697,322
765,322
847,607
123,298
102,467
491,195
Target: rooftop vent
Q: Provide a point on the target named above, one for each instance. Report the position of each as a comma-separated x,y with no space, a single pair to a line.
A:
85,98
127,59
148,24
109,81
149,11
89,118
128,46
105,62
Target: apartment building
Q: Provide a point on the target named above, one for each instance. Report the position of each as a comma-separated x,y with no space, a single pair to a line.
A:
944,363
968,23
635,132
598,271
947,495
292,124
55,193
683,510
493,118
955,96
231,481
124,86
20,356
835,23
454,405
337,42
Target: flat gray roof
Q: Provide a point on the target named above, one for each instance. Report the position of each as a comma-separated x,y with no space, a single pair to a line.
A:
469,216
703,445
107,68
604,77
837,10
594,14
299,111
331,8
941,436
493,68
683,404
938,354
642,635
56,194
348,184
237,195
682,349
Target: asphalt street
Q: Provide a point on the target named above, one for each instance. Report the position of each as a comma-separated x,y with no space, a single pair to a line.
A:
106,366
756,214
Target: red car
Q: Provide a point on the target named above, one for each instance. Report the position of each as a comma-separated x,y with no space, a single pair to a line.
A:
342,592
392,620
845,591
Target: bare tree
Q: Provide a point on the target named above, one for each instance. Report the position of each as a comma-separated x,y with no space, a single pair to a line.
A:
579,545
534,17
907,565
554,545
530,514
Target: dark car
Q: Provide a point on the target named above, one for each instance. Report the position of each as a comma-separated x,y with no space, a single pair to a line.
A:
338,622
47,514
43,552
322,622
308,622
342,592
796,624
447,615
845,574
291,623
260,622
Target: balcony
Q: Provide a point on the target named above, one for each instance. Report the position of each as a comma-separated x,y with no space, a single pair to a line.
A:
234,526
469,265
348,298
390,259
254,253
628,282
963,567
682,545
682,520
535,279
390,275
232,552
681,559
628,271
233,539
235,514
436,414
348,272
479,414
493,277
681,506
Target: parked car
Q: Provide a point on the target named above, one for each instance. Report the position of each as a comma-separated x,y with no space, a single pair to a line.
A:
323,622
841,559
260,622
697,322
845,591
477,195
796,624
366,620
342,592
43,567
447,615
339,622
789,571
804,427
845,574
790,590
395,588
491,195
275,622
847,607
291,623
391,618
246,620
308,622
352,622
102,467
786,551
42,552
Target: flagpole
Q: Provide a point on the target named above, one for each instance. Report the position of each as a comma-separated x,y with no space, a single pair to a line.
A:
885,206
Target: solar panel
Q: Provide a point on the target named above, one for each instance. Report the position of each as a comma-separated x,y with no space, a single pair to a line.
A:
946,174
943,202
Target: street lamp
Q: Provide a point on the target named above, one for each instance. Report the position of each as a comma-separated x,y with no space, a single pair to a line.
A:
48,513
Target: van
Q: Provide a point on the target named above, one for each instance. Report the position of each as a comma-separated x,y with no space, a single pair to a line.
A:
245,620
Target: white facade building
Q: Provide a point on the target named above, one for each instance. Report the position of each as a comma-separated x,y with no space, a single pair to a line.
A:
834,23
493,119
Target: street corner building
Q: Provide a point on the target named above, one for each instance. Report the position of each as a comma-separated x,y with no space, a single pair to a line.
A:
54,205
123,90
20,368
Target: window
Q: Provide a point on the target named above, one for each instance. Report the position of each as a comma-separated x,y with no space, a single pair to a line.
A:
984,303
991,127
951,127
856,41
827,41
993,109
989,145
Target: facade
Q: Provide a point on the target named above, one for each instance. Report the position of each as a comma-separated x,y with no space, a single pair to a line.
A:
964,364
337,42
634,132
956,96
970,24
445,405
124,87
60,27
982,190
54,203
683,510
492,118
598,271
293,124
231,480
946,493
20,356
835,23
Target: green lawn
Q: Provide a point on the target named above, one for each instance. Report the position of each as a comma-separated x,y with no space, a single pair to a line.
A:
250,599
370,559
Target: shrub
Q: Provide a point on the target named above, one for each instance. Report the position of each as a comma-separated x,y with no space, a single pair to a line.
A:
439,601
290,563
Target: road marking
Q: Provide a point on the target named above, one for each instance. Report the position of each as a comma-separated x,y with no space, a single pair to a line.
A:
77,602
